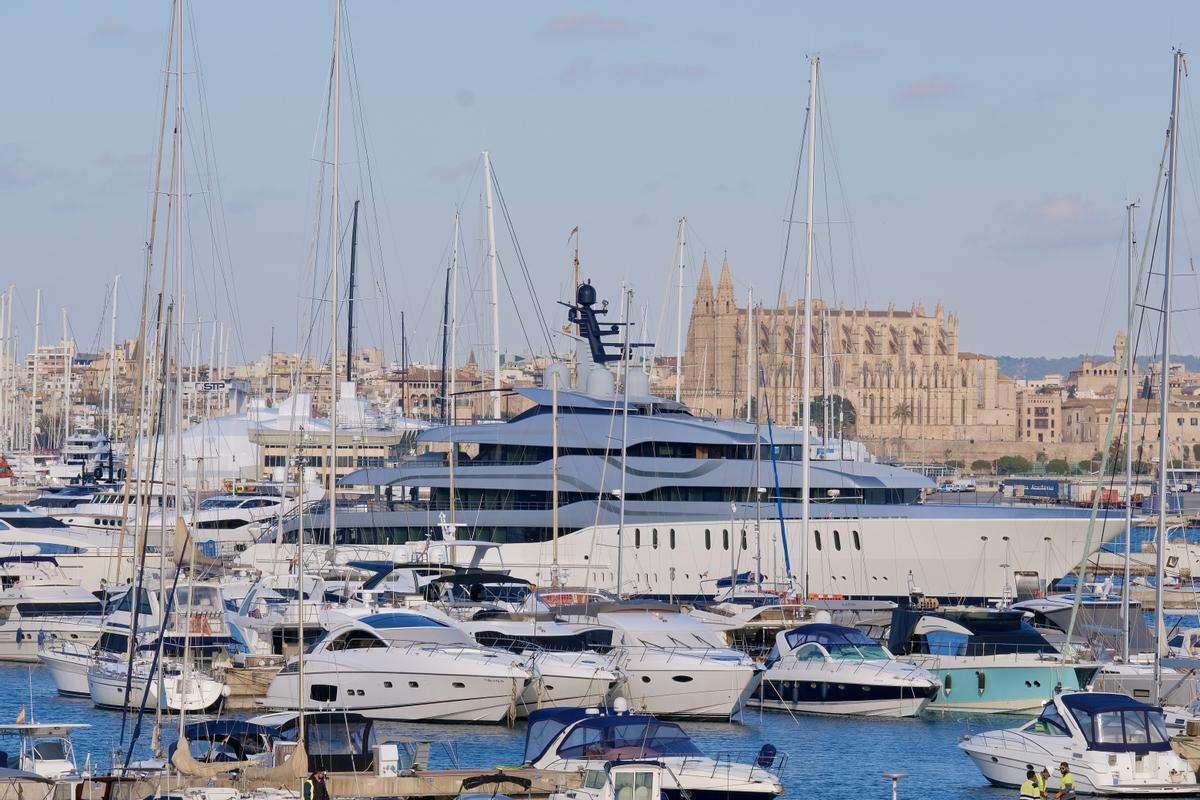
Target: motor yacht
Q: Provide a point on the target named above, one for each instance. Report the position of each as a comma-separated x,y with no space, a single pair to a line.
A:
687,507
831,669
89,557
673,664
586,740
354,668
39,603
1114,745
45,749
986,660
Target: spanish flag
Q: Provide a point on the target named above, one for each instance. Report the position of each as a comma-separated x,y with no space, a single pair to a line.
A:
21,716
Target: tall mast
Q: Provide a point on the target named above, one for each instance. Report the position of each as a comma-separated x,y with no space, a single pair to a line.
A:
350,304
451,400
627,297
68,357
1164,391
679,315
445,409
335,237
806,347
112,364
1129,389
5,433
749,350
495,301
37,339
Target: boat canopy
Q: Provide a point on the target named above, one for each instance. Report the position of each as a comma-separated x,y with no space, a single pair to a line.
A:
603,736
1118,723
991,633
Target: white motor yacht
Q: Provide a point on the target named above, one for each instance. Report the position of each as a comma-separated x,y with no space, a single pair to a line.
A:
39,603
354,668
1113,744
831,669
87,556
674,665
45,749
586,740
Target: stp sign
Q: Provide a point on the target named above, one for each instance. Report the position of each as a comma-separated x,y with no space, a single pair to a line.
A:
209,386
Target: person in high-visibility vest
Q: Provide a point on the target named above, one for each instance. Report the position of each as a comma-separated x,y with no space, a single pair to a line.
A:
1043,776
1029,789
314,786
1066,783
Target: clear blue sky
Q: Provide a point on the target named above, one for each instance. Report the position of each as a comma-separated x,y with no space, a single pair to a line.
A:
984,152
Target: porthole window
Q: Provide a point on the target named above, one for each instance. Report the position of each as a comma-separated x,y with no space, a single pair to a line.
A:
707,539
837,541
743,538
637,537
725,538
671,537
857,541
817,539
654,538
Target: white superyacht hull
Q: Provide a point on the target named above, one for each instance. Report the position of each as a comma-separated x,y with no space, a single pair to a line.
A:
884,557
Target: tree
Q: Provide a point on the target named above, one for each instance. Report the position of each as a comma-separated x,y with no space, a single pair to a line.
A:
981,465
1196,451
841,411
1058,466
1009,465
904,413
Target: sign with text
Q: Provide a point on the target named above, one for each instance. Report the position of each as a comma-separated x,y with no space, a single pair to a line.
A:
209,386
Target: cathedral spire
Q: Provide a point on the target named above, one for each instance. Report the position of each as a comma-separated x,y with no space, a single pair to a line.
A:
704,287
725,298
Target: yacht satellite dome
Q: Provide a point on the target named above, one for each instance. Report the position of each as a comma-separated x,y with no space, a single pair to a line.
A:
823,617
585,295
620,706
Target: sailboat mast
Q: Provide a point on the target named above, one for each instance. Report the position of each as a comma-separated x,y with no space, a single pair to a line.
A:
177,404
350,304
37,338
749,351
1129,389
1164,391
495,301
806,347
627,297
451,399
112,365
679,315
335,237
68,357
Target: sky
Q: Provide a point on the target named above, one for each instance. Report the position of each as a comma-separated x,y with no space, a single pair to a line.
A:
976,154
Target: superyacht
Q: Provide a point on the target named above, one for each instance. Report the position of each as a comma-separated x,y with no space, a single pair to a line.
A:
700,500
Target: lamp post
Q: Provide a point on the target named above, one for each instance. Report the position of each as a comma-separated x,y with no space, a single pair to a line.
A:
894,777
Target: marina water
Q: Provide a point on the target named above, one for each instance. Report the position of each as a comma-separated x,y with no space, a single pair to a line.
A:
826,757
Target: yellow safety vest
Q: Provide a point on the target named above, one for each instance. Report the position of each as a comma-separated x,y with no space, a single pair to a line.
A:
1029,791
1041,779
1066,786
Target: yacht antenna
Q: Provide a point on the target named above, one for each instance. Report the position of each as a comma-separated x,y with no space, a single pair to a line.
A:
1164,391
491,235
350,304
1129,389
806,378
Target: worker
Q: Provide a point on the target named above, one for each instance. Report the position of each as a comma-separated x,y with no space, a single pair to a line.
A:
1029,789
1066,783
314,786
1043,776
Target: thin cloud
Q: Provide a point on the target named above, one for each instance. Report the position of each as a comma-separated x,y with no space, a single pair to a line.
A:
635,71
16,174
930,89
111,29
1057,223
585,23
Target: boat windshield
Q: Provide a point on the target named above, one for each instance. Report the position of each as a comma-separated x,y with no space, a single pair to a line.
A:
222,502
50,750
841,643
1129,729
609,738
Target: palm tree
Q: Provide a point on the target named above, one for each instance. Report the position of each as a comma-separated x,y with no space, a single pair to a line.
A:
904,413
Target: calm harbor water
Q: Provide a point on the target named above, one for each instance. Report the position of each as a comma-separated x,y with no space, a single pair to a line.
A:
827,757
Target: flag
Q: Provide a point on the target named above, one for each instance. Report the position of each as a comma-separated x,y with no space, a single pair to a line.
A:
21,716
